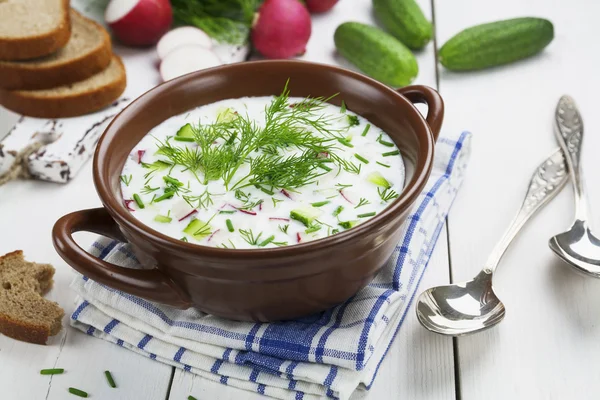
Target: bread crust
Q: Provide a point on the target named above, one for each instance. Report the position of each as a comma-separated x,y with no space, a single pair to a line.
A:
24,331
12,49
14,76
27,103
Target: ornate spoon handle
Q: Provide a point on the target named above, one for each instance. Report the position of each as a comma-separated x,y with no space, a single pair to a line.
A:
569,134
548,179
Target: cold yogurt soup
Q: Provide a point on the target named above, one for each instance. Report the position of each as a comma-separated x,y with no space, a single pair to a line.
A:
261,172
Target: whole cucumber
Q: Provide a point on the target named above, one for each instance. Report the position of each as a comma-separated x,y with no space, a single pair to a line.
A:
404,19
376,53
496,43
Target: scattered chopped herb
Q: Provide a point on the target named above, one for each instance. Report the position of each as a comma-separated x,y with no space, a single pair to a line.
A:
345,142
147,189
191,398
366,215
227,212
163,219
382,164
338,211
52,371
343,108
333,232
325,167
348,224
223,245
229,225
183,139
320,203
313,228
110,379
202,201
172,181
284,228
342,186
362,202
249,237
138,200
384,142
280,243
353,120
184,239
78,392
391,153
387,194
266,241
166,195
275,201
267,191
126,179
366,130
361,158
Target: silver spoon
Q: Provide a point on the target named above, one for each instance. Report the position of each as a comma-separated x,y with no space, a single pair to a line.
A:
578,246
472,306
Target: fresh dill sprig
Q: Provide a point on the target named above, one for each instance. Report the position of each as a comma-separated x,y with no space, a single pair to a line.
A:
223,245
284,228
362,202
341,186
202,201
147,189
249,237
126,179
346,165
248,203
387,194
275,201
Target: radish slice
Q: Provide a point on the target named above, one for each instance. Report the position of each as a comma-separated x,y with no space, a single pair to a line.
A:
186,35
186,59
139,22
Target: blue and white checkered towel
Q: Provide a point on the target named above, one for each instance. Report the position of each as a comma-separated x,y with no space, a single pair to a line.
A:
327,354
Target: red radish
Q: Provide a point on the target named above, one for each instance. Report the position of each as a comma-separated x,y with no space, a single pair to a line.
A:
282,29
286,194
140,154
127,203
139,22
279,219
186,59
319,6
187,215
182,36
344,196
213,234
298,237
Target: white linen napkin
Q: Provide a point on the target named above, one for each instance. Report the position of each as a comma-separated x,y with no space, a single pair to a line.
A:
327,354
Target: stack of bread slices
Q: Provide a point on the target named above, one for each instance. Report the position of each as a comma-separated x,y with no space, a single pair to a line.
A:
54,62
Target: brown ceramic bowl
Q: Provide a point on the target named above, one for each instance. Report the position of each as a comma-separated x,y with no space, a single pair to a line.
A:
262,284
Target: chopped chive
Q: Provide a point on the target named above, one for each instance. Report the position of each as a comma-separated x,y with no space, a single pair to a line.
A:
333,232
275,201
382,164
226,212
229,225
325,167
165,219
192,398
166,195
366,130
110,379
386,143
138,200
183,239
266,241
361,158
338,211
343,108
53,371
391,153
78,392
267,191
332,197
365,215
183,139
172,181
320,203
313,228
345,142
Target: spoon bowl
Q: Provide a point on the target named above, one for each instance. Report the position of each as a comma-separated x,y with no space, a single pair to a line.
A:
579,248
462,308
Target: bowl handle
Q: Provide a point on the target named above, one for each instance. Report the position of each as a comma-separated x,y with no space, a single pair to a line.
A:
435,104
150,284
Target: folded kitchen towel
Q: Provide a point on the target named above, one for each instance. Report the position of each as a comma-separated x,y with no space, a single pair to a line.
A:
327,354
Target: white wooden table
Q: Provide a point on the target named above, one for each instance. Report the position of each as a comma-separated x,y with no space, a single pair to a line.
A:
548,347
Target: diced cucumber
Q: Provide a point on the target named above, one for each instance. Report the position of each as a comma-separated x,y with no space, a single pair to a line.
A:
348,224
163,218
378,179
198,229
186,131
226,115
306,215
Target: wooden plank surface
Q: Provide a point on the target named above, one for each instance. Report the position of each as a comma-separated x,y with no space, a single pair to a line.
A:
548,346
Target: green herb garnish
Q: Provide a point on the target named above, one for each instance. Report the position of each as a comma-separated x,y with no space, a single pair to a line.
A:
229,225
383,165
126,179
202,201
78,392
284,228
166,195
367,127
345,142
362,202
338,211
361,158
170,180
320,203
366,215
249,237
353,120
266,241
343,108
52,371
275,201
387,194
384,142
138,200
391,153
110,379
313,228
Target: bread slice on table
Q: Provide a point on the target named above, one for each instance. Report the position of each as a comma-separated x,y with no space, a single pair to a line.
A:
83,97
33,28
87,52
24,314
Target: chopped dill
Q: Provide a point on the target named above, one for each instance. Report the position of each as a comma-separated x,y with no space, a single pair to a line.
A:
353,120
387,194
275,201
284,228
202,201
362,202
126,179
249,237
147,189
341,186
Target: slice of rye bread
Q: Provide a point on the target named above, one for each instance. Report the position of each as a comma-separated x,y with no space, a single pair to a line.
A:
33,28
87,52
91,94
24,314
